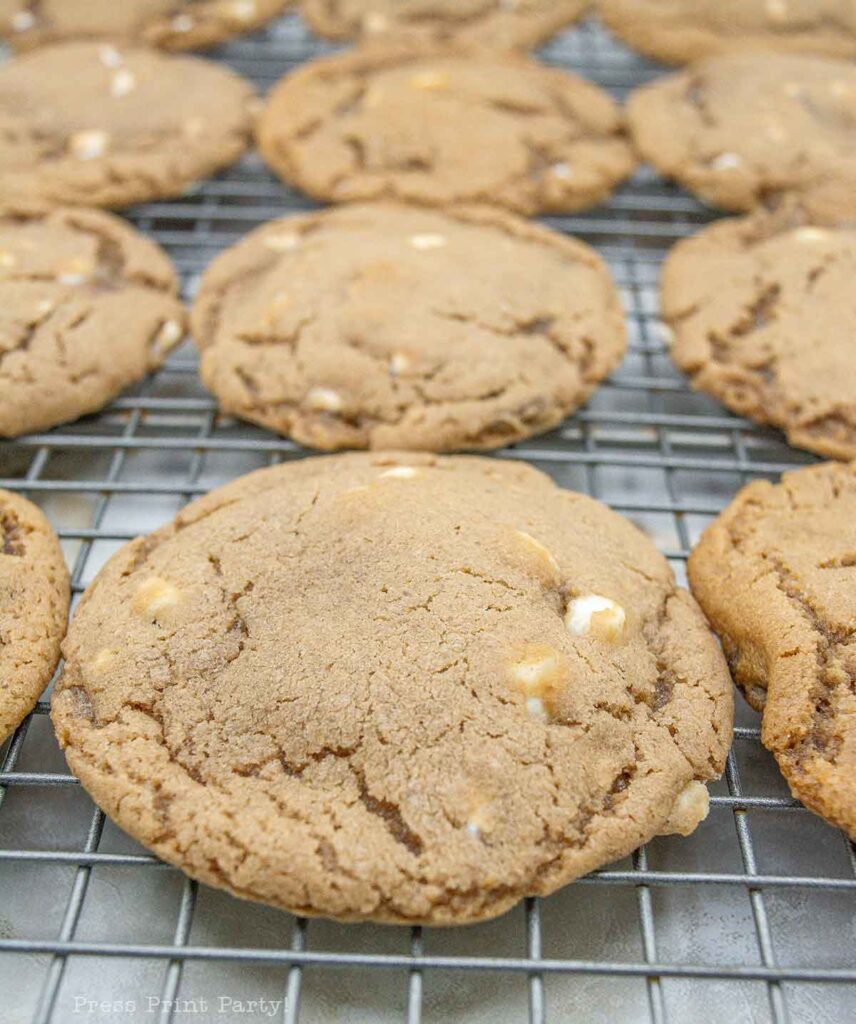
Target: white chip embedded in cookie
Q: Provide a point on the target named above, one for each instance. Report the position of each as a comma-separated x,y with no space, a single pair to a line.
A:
350,691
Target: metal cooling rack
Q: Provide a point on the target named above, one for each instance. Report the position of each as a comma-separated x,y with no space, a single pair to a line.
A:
750,919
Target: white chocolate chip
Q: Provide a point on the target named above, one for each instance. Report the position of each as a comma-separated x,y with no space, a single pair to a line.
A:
535,707
480,819
76,271
243,10
88,145
170,334
538,673
399,363
182,23
22,21
110,57
430,80
7,259
286,241
561,170
811,236
689,810
667,334
423,242
726,162
538,549
594,614
324,400
399,473
123,83
374,21
155,596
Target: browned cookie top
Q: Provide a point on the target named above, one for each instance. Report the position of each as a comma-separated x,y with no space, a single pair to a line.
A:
438,127
393,688
87,307
96,124
379,326
743,129
170,24
679,31
34,596
499,24
776,574
764,317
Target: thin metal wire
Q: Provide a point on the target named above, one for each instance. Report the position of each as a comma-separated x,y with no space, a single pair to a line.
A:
643,423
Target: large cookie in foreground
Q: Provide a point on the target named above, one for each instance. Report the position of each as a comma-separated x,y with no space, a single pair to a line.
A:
386,326
437,127
680,31
498,24
163,23
88,306
405,689
94,124
763,318
776,574
744,130
34,596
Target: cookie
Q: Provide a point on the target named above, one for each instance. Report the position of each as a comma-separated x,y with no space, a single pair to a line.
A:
98,125
163,23
379,326
776,574
391,688
680,31
498,24
763,319
437,127
34,597
87,307
746,129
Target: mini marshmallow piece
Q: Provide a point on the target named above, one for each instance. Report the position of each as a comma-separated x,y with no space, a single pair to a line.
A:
324,400
22,21
399,473
430,80
88,145
726,162
688,811
423,242
286,241
597,615
123,83
538,549
154,596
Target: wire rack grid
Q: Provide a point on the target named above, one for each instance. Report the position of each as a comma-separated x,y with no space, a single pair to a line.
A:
750,919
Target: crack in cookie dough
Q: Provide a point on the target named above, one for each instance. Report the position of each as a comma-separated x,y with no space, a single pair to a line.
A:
168,24
443,126
87,307
347,687
34,597
681,31
744,130
347,328
775,574
496,24
762,317
100,125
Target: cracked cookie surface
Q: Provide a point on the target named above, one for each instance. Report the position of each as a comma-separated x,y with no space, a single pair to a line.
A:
169,24
87,307
381,326
776,575
763,318
744,130
436,127
393,687
498,24
96,124
34,597
680,31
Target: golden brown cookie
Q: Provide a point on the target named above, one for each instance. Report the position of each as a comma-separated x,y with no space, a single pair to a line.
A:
743,130
396,688
497,24
679,31
87,307
95,124
437,127
380,326
169,24
34,596
776,574
763,318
